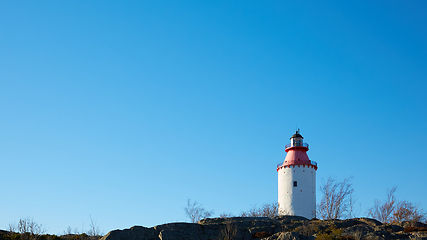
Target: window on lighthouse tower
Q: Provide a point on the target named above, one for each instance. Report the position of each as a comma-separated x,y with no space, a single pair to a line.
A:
295,183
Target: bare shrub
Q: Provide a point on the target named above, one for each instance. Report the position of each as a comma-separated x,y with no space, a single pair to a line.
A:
252,212
336,199
383,211
228,232
27,228
266,210
396,211
406,211
196,212
269,210
68,231
351,210
226,215
93,229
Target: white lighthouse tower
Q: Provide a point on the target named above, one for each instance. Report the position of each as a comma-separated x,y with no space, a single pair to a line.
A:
297,180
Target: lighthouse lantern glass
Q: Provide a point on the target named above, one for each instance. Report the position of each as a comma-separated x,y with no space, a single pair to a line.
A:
296,142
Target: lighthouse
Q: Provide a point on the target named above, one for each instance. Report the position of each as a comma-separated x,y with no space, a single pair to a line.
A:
297,180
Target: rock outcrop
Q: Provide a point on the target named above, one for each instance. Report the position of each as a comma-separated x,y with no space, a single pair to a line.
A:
277,228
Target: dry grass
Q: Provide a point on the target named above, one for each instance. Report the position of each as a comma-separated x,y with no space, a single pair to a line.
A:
415,229
261,234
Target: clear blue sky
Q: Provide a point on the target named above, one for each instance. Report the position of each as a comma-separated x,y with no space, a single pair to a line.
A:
122,110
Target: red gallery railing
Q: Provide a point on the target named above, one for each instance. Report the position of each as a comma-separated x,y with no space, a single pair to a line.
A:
311,162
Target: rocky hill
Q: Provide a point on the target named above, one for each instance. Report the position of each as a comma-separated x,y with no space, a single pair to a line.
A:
277,228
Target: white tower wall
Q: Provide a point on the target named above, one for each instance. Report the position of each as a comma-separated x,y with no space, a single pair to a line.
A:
299,200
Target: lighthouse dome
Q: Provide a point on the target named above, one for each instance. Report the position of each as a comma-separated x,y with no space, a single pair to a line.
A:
296,135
